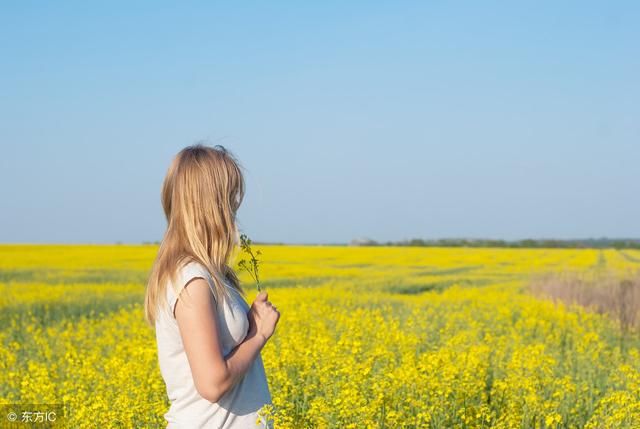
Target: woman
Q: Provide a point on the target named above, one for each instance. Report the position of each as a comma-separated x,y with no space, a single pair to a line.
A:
209,340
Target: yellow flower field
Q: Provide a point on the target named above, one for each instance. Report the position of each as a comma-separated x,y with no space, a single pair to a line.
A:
369,337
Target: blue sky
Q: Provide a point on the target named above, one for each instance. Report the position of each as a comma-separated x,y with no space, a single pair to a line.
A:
389,120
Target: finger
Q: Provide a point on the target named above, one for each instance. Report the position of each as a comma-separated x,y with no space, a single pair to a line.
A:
262,296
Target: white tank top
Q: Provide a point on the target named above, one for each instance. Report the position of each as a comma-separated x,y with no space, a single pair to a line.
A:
238,407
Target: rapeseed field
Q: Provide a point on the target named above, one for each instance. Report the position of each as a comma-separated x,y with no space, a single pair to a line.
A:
369,337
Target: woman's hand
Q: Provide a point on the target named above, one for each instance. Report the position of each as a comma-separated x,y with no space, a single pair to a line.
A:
263,317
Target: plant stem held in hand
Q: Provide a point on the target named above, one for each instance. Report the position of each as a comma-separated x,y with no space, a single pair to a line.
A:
251,265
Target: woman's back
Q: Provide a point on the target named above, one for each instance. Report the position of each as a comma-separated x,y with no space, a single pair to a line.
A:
238,407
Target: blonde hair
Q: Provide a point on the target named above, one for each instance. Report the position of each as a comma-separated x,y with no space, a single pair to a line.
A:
201,194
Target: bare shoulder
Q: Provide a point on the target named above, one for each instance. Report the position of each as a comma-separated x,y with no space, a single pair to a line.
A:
195,296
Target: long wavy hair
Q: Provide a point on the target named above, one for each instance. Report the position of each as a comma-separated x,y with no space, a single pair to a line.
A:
201,194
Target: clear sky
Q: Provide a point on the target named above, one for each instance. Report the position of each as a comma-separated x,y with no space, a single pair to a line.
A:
387,120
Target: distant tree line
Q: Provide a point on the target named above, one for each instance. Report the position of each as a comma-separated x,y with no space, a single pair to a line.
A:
588,243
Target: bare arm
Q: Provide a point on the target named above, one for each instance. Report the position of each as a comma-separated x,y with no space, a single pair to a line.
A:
213,374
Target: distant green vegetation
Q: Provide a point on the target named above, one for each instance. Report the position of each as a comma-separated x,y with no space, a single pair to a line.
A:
588,243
